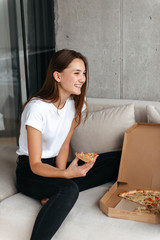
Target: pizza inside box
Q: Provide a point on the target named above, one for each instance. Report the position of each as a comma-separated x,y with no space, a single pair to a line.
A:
139,169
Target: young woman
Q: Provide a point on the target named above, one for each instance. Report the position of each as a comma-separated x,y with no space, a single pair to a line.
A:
48,122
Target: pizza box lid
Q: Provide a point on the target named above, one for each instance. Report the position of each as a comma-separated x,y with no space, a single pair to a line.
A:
139,169
140,160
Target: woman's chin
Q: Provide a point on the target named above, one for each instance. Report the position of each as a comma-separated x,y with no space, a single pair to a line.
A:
77,92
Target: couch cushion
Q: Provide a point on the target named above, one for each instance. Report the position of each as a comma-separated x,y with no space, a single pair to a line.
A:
18,214
153,114
103,131
85,221
7,171
97,104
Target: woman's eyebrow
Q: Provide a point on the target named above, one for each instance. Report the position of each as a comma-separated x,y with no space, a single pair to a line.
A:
79,70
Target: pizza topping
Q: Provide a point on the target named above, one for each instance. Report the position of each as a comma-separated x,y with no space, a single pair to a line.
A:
149,199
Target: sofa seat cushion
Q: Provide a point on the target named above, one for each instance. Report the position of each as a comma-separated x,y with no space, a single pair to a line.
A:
103,131
85,221
7,171
17,216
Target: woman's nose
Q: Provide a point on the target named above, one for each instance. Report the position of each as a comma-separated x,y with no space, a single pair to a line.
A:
82,78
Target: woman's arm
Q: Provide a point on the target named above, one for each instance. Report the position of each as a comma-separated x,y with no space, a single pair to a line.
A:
35,151
61,159
34,138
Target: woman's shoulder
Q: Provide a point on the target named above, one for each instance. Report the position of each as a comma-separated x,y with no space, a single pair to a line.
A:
36,104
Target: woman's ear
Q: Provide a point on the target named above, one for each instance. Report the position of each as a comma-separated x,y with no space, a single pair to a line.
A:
57,76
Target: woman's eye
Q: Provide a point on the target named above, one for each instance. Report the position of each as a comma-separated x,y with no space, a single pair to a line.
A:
78,73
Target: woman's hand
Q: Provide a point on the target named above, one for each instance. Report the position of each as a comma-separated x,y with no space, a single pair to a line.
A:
74,170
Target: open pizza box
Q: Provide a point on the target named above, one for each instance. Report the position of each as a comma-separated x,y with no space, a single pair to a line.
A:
139,169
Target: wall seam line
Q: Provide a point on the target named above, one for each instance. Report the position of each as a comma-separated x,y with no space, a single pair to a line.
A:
121,49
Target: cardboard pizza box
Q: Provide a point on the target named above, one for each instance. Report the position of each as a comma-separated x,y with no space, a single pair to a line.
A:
139,169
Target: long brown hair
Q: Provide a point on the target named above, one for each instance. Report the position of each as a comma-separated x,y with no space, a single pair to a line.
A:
50,92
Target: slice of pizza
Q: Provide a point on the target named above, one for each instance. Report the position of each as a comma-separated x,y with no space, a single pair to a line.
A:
147,209
86,157
149,199
133,195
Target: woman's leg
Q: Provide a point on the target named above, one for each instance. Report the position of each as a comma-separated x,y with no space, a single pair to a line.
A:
62,194
53,213
104,170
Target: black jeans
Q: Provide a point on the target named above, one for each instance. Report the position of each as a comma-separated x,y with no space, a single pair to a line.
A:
62,193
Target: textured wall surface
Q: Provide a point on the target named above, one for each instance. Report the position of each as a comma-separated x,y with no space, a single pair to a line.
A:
121,39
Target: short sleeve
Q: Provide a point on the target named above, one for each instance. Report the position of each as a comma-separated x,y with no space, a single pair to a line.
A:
33,116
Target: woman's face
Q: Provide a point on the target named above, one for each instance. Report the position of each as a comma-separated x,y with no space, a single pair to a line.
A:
72,78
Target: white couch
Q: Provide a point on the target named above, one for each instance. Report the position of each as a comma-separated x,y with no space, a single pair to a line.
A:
85,221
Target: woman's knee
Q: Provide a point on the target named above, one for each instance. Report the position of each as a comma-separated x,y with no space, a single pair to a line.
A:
71,191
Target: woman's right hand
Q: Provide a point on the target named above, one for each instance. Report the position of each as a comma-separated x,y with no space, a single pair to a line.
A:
74,170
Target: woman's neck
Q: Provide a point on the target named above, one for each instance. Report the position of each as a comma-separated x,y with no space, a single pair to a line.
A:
62,99
60,103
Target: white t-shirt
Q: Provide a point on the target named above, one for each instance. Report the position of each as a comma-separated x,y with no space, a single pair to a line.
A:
53,123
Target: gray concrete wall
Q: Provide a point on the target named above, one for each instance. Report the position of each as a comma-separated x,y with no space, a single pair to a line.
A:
121,39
